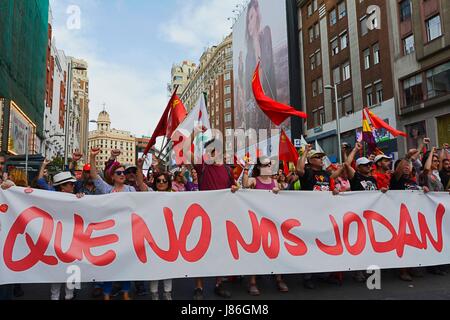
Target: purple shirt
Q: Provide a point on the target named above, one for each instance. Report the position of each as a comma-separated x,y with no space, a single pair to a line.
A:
263,186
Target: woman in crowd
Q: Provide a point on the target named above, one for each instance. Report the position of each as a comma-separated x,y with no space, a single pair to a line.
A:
163,183
262,180
179,182
193,185
282,181
117,176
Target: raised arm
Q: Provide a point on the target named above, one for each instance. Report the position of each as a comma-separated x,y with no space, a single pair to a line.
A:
140,175
93,156
429,162
247,182
337,173
350,158
44,165
302,161
76,156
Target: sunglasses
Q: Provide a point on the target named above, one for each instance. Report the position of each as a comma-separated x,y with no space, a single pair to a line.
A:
119,173
161,181
266,165
131,171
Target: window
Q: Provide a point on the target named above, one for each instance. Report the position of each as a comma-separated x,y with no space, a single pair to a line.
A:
344,41
369,96
405,10
314,5
312,61
337,75
321,117
334,47
438,80
316,31
346,71
364,29
227,76
342,10
434,28
227,117
311,34
310,10
314,88
320,85
318,58
333,17
227,90
228,104
379,92
347,107
315,118
366,59
412,90
408,45
376,54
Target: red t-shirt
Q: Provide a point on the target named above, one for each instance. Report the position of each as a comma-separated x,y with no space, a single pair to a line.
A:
213,177
383,179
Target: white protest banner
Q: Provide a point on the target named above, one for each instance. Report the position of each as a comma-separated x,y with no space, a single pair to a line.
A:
150,236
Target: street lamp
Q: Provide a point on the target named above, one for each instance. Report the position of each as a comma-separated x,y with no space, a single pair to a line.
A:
338,120
69,110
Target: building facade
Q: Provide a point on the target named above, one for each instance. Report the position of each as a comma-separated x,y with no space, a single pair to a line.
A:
180,76
421,58
214,76
343,45
23,56
110,139
79,119
54,116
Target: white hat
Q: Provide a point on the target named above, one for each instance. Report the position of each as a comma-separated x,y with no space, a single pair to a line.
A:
264,160
363,161
62,178
315,154
381,157
130,166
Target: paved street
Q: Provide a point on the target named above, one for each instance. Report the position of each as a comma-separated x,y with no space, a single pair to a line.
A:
428,287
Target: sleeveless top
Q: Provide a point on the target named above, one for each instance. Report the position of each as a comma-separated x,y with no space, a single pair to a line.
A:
263,186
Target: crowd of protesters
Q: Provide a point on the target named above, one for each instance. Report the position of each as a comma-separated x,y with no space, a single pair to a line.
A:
425,171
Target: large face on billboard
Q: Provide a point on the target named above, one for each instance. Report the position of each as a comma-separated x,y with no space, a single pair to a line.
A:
260,35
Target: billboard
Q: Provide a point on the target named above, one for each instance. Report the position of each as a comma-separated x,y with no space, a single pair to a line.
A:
260,34
21,132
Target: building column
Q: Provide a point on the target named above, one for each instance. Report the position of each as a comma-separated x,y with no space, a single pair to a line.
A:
326,70
355,61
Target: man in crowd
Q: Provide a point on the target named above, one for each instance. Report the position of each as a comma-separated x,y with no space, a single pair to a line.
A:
382,173
314,178
213,174
361,179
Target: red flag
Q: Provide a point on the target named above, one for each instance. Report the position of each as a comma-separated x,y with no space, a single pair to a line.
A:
377,123
174,114
277,112
287,151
